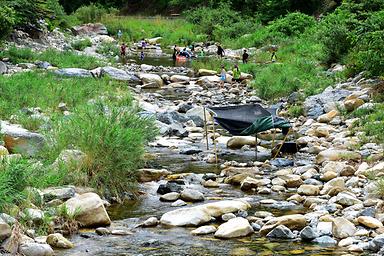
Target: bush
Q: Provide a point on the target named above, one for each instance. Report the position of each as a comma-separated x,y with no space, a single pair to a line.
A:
7,21
80,45
91,13
113,140
108,49
293,24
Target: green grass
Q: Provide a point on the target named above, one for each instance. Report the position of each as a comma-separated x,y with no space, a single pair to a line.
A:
80,45
134,28
371,123
65,59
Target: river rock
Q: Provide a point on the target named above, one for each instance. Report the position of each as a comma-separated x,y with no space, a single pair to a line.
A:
294,221
35,249
90,29
5,230
324,228
326,118
204,230
178,203
20,140
146,175
73,72
170,197
238,142
150,222
191,195
151,79
342,228
194,216
88,209
196,114
325,240
118,74
352,104
369,222
62,193
57,240
237,227
168,188
228,216
281,232
206,72
248,183
308,190
3,68
347,199
337,155
308,233
180,79
292,180
333,186
3,151
102,231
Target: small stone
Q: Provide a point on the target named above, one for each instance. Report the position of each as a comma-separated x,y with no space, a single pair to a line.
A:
236,227
170,197
308,190
281,232
150,222
369,222
343,228
204,230
191,195
308,233
121,232
178,203
58,241
102,231
210,184
325,240
228,216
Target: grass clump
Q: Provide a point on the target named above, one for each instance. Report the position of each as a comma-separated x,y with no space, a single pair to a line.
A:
81,44
112,139
108,49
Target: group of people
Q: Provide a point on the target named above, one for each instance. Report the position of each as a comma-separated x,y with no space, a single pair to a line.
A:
236,75
184,53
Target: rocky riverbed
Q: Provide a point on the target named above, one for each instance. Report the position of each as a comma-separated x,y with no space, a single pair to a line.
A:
318,201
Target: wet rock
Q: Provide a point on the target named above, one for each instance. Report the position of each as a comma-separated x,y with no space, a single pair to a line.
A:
180,78
324,228
248,183
294,221
191,195
210,184
178,203
88,209
238,142
378,241
325,240
263,214
196,114
168,188
369,222
170,197
57,240
228,216
342,228
62,193
151,79
308,233
194,216
73,72
171,117
150,222
292,180
5,230
146,175
237,227
121,232
20,140
35,249
337,155
281,162
102,231
281,232
206,72
308,190
204,230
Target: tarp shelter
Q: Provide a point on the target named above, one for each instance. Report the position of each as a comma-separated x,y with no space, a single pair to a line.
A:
248,119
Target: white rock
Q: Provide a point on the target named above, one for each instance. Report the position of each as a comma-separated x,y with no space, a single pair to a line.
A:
236,227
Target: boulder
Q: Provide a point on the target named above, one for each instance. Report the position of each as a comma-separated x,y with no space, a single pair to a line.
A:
342,228
204,230
294,221
197,215
168,188
150,222
119,74
324,240
5,230
207,72
321,131
353,104
191,195
146,175
237,227
333,186
180,79
3,68
369,222
57,240
151,79
347,199
249,183
35,249
88,209
3,151
196,114
73,72
281,232
170,197
238,142
324,228
326,118
292,180
20,140
337,155
90,29
62,193
154,40
308,233
308,190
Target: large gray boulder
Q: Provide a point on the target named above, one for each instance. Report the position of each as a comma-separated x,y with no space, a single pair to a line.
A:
90,29
35,249
281,232
73,72
3,68
153,79
322,103
119,74
20,140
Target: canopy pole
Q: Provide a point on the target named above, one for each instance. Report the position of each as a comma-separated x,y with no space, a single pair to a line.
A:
256,146
214,141
285,138
206,129
273,137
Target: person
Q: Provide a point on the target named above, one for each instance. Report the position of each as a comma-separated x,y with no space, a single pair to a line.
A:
273,51
123,50
220,51
223,76
174,52
202,53
142,56
143,43
236,74
119,34
245,57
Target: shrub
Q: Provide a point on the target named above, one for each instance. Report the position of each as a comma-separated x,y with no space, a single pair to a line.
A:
91,13
296,111
7,20
80,45
108,49
292,25
113,140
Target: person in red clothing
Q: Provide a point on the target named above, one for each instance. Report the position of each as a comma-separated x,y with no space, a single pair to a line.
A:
123,50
